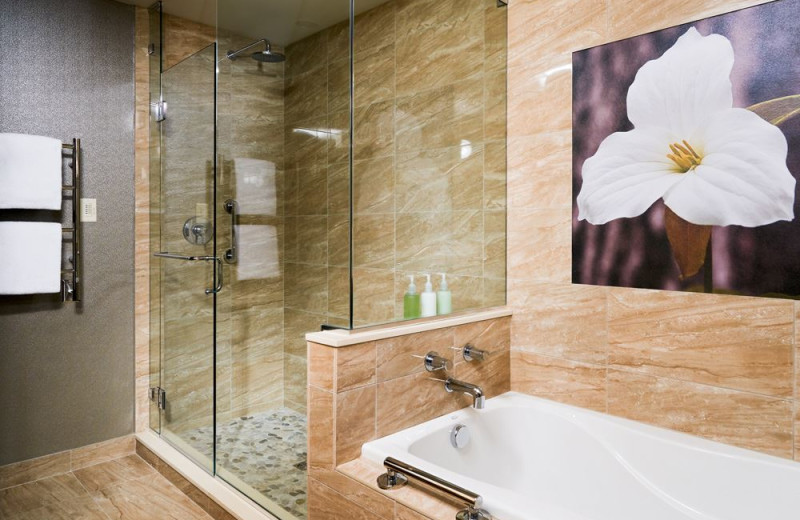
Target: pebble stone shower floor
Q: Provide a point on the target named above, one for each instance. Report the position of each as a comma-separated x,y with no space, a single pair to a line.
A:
267,451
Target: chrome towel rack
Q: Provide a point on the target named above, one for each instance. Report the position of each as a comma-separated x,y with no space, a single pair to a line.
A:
71,290
398,474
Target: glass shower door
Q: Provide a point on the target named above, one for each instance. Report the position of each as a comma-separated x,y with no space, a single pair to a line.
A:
189,270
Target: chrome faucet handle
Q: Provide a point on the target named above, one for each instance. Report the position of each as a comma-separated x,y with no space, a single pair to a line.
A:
433,361
471,353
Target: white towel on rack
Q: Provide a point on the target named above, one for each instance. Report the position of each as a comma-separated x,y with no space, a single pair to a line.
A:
30,257
30,172
255,186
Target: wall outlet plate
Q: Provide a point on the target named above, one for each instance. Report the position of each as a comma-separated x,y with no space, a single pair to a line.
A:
88,210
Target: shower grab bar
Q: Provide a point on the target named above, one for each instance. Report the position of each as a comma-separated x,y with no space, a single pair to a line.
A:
398,474
232,208
218,287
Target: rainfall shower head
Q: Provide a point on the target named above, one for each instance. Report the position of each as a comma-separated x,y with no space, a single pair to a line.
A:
266,56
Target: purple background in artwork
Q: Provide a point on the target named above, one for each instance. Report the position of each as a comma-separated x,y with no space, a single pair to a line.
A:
635,252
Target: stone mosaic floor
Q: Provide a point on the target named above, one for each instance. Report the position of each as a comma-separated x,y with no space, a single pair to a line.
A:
267,451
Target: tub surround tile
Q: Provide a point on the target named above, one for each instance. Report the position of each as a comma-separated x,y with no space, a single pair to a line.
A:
355,421
326,504
356,366
395,356
569,382
540,244
366,472
493,375
540,97
733,342
373,241
410,400
493,336
560,27
540,171
321,366
354,491
404,513
321,437
747,420
373,130
564,321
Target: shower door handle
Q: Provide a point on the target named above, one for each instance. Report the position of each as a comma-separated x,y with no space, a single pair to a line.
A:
218,287
232,208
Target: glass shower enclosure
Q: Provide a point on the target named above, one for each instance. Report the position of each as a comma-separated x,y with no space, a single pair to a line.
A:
306,158
241,143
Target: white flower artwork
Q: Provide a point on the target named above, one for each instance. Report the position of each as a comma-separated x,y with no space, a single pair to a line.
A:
711,163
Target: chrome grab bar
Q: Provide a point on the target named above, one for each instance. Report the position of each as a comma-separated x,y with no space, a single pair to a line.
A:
231,207
399,473
218,287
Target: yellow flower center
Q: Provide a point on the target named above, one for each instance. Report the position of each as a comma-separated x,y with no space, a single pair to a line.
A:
684,156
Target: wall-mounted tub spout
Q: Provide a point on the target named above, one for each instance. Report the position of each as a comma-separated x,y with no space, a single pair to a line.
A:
478,397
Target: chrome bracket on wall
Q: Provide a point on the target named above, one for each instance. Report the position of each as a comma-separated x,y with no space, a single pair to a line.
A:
502,3
231,207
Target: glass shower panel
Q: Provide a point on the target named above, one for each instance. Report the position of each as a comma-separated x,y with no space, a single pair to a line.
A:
154,149
187,260
283,154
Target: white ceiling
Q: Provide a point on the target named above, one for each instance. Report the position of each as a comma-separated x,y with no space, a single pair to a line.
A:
281,21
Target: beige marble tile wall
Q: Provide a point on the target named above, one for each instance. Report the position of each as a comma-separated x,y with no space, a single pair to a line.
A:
365,391
429,153
721,367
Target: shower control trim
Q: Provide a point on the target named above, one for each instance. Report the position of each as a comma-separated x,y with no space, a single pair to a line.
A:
231,207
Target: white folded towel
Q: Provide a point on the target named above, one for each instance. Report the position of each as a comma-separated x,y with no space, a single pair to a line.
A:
30,257
257,250
255,186
30,172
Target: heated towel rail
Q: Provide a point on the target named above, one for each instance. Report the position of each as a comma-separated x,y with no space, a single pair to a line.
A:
71,289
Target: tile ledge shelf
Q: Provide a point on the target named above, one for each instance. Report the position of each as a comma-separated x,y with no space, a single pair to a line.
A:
223,494
344,338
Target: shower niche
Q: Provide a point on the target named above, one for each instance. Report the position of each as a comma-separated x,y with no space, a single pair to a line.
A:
324,152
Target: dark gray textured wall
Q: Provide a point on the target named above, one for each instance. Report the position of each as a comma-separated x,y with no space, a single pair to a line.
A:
66,370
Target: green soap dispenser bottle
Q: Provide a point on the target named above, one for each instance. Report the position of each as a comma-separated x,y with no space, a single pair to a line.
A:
411,305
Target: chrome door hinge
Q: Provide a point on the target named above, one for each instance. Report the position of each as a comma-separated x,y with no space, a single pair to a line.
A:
151,49
159,396
159,110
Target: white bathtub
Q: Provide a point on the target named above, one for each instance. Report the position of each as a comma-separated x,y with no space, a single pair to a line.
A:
533,459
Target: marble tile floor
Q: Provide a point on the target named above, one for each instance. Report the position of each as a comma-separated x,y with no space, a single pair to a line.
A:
267,451
122,489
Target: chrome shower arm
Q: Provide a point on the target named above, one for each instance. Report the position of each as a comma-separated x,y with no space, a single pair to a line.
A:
232,55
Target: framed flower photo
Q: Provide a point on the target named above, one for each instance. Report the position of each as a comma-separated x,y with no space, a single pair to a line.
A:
686,151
